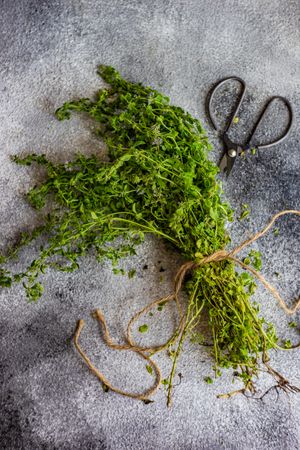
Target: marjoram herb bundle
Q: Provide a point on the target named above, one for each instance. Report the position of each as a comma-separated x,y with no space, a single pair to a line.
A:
158,180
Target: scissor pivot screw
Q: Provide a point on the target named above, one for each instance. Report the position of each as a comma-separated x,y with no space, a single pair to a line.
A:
232,153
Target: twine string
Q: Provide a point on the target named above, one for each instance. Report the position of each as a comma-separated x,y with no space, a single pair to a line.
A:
98,315
144,351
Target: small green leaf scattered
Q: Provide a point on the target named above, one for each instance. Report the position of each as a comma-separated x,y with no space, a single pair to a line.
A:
131,273
244,212
292,324
143,328
161,306
149,369
208,380
287,343
118,271
255,259
5,278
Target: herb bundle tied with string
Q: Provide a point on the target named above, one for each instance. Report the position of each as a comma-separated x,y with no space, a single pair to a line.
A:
158,180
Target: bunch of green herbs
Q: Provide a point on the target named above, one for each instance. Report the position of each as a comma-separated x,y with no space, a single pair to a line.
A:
158,180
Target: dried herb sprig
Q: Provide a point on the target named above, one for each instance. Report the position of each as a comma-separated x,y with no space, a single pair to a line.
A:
158,180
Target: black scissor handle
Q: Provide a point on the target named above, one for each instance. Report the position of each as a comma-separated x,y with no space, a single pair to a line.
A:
239,102
287,129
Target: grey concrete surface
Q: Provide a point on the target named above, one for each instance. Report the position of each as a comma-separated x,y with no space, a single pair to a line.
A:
49,51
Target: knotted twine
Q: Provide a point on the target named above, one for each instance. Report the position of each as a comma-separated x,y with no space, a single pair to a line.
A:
145,352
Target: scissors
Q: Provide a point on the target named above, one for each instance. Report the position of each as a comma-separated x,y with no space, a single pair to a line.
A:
233,149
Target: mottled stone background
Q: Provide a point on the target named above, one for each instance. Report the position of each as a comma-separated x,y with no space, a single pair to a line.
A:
49,51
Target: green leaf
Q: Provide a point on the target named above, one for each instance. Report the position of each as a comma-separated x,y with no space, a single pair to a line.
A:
208,380
149,369
143,328
161,306
245,211
287,343
94,215
131,273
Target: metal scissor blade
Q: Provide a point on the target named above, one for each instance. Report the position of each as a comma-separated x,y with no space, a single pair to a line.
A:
226,164
223,163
